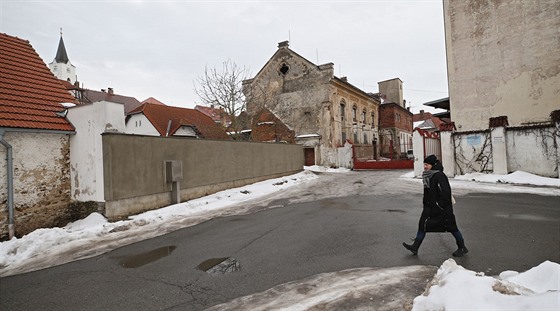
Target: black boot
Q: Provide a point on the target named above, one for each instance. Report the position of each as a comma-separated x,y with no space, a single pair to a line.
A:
413,247
461,250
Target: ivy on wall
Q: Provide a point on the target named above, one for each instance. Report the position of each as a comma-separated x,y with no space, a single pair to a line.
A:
473,156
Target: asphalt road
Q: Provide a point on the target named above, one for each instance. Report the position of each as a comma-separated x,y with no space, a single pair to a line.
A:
296,239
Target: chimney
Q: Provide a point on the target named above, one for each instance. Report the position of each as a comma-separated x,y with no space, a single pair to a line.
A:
283,44
110,91
422,114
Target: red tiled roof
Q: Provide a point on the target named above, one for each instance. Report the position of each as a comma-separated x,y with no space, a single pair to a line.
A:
218,115
159,116
423,115
30,95
267,127
152,100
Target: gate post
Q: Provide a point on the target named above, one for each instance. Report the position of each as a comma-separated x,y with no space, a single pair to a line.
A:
447,148
499,147
418,150
555,117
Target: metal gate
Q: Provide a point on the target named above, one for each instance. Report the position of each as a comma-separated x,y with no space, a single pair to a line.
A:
432,143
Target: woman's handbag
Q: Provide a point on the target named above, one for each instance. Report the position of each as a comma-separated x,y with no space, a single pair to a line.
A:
435,224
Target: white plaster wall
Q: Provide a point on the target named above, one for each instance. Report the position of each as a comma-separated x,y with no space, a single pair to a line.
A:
39,163
86,152
185,131
473,152
139,124
502,60
447,153
418,150
532,151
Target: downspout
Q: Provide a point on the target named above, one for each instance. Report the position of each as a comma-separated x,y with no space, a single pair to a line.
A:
9,168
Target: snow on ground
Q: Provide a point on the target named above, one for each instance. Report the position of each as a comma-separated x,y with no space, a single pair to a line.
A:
452,288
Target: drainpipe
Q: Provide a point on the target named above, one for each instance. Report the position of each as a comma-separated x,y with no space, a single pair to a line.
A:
9,168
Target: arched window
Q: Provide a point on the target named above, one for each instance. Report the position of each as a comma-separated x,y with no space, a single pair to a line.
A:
342,107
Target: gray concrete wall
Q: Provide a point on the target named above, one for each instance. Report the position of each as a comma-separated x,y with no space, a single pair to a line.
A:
134,173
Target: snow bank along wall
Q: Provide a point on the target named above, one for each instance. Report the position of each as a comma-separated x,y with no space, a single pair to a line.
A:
135,177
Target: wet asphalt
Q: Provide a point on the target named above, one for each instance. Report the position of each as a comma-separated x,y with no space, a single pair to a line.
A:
288,243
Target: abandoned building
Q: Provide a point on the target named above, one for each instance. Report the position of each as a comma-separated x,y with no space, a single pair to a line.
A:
324,111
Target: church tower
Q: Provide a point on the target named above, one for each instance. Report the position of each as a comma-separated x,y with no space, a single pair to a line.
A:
61,65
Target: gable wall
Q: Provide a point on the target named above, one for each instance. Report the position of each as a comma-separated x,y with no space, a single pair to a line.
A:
139,124
296,98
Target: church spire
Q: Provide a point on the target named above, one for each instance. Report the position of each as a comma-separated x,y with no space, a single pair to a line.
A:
61,56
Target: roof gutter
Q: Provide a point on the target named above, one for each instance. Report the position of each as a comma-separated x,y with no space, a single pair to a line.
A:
10,181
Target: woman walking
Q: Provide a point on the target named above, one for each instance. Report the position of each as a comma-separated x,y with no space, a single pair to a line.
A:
437,212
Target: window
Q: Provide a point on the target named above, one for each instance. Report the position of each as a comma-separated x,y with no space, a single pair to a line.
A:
373,119
354,113
364,116
342,106
398,117
284,69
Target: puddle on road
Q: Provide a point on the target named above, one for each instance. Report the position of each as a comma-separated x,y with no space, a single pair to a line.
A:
220,265
139,260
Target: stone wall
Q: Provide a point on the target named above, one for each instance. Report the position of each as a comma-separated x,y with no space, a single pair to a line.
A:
41,181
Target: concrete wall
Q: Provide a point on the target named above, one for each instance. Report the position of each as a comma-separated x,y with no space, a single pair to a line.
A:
502,59
503,150
533,150
86,152
473,152
41,180
134,172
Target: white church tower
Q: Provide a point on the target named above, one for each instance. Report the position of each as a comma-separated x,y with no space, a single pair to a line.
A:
61,66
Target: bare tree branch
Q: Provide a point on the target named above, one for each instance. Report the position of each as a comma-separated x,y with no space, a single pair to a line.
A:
223,88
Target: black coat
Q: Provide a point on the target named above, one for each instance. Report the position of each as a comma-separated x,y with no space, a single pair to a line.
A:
437,213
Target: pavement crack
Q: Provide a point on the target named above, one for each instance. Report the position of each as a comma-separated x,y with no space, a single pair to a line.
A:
258,238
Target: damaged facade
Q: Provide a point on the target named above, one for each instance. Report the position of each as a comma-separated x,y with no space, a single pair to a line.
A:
324,111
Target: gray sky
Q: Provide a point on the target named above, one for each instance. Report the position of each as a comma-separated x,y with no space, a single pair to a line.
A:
158,48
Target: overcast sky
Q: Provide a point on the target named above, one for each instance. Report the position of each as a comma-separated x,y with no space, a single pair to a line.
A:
158,48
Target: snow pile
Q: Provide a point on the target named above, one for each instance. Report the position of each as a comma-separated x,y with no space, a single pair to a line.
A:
518,177
455,288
